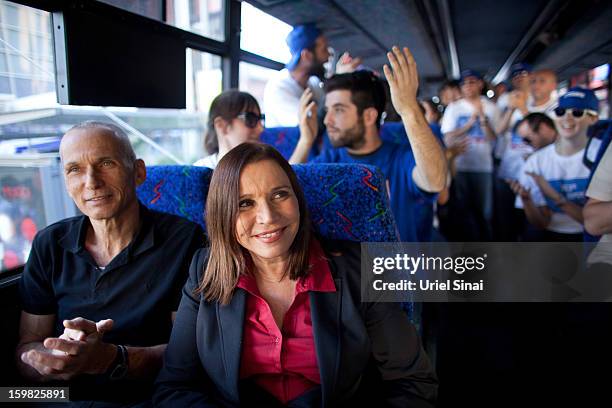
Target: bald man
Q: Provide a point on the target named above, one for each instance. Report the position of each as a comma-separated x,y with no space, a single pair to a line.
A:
543,84
99,290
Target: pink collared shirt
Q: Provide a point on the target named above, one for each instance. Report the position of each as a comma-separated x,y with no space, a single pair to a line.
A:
284,363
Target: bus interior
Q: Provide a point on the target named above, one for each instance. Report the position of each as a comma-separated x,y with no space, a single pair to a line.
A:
153,67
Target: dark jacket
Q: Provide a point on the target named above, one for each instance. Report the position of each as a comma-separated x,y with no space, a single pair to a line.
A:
202,360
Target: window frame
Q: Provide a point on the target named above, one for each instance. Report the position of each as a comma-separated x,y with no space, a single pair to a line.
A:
229,49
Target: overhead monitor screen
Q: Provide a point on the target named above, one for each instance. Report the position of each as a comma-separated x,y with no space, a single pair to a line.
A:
106,60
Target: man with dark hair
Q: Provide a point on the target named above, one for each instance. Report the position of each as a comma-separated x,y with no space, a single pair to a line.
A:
537,129
355,103
449,92
99,291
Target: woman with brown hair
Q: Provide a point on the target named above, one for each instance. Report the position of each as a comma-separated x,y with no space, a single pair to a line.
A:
271,316
234,117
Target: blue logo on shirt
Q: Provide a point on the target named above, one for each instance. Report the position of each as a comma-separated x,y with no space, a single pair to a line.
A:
573,190
475,131
517,141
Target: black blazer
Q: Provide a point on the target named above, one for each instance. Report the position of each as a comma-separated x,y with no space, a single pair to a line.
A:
201,366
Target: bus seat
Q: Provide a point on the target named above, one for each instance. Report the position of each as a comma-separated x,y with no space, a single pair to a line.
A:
348,201
284,139
179,190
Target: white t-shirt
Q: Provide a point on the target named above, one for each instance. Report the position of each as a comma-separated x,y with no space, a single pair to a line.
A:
548,108
601,189
210,161
515,149
502,104
281,99
566,174
478,155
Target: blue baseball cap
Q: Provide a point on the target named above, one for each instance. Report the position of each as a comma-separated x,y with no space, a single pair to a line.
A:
469,73
579,98
301,37
519,68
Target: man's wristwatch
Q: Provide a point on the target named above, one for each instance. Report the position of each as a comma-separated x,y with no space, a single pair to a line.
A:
119,368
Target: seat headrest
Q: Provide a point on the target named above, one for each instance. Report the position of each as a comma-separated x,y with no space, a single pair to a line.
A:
178,190
284,139
346,201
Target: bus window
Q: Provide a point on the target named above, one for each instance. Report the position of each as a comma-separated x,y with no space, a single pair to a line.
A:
205,17
253,79
263,34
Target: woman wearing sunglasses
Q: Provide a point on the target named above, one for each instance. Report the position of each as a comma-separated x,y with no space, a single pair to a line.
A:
234,118
552,188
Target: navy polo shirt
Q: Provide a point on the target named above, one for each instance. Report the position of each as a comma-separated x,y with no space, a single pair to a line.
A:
138,289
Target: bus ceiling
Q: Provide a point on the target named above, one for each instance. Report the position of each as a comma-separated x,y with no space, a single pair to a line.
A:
447,36
568,36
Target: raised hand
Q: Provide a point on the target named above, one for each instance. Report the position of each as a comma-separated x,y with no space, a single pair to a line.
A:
308,117
518,100
403,80
518,189
457,145
347,64
545,187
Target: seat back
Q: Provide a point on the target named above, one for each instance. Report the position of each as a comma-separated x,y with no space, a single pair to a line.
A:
346,201
178,190
284,139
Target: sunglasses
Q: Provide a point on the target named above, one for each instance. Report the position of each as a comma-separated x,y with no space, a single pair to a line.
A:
577,113
251,120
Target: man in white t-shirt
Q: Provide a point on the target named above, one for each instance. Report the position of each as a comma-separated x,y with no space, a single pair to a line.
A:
536,94
472,118
542,85
515,102
309,51
551,189
305,70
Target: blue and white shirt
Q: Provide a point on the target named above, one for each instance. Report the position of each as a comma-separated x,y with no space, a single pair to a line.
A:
566,174
478,157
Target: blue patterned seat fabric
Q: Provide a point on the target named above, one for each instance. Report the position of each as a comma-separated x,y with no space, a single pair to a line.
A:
284,139
346,201
179,190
